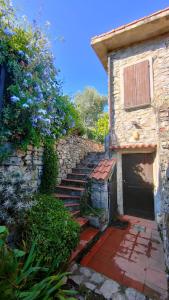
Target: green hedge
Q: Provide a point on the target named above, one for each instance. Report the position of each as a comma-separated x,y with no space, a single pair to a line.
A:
50,225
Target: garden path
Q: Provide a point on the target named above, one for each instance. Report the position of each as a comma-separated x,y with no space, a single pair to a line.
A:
132,257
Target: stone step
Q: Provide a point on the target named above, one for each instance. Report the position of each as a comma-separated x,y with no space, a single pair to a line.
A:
87,238
88,165
82,221
69,190
75,182
77,176
81,170
75,214
72,206
66,197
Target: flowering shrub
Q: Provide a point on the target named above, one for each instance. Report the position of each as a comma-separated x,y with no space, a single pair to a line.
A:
33,107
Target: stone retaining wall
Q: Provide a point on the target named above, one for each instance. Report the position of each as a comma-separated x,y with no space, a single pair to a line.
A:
21,172
71,150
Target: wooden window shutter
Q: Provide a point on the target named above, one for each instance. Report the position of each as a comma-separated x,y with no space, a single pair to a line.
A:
137,85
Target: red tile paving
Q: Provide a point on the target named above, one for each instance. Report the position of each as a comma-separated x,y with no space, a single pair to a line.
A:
133,257
86,237
103,169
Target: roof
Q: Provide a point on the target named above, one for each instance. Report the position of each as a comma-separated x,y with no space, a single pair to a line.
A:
103,169
134,146
139,30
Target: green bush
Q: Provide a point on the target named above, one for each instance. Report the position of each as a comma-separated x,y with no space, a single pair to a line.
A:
23,277
55,232
50,168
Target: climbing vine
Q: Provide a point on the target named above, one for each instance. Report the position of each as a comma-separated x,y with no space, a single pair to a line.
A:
33,107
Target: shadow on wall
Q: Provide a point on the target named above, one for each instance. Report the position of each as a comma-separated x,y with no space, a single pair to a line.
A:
138,186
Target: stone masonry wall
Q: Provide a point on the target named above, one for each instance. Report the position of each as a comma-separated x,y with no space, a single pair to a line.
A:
157,51
164,175
23,170
71,150
152,122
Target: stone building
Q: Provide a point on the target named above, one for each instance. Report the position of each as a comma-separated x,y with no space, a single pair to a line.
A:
136,58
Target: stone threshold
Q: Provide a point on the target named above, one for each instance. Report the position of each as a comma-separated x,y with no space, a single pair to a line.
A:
102,285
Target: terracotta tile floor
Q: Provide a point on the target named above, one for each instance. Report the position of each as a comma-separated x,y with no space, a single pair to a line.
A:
133,257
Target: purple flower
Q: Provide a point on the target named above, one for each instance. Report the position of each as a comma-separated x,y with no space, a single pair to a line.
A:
29,75
25,83
34,121
73,124
15,99
29,101
9,32
21,53
47,121
38,89
42,111
25,105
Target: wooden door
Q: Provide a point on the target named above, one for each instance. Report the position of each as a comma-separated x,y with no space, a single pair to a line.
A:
138,184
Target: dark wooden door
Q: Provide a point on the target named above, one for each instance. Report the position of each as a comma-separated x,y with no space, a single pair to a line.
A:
138,184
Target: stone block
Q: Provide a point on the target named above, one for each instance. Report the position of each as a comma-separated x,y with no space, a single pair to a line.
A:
97,278
85,271
108,288
90,286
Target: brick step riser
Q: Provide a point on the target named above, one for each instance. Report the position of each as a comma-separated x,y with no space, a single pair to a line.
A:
90,166
73,208
76,214
68,192
96,155
77,176
69,201
92,159
81,170
69,183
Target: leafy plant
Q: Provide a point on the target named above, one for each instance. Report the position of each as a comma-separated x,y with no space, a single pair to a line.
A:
33,106
23,277
101,129
50,168
55,232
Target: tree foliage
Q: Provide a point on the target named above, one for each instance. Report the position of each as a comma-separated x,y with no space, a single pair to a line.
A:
33,106
90,105
102,127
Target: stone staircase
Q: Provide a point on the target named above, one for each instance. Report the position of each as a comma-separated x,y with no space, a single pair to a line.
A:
71,190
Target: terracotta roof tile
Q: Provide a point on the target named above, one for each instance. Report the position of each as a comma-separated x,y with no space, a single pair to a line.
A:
132,23
133,146
103,169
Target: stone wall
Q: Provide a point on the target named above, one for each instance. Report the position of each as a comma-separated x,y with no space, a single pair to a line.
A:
164,176
149,124
22,170
157,52
71,150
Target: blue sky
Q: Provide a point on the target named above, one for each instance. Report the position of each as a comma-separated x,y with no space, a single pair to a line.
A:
73,23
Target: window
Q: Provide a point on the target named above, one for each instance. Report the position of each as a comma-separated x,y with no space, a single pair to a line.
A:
2,83
137,85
